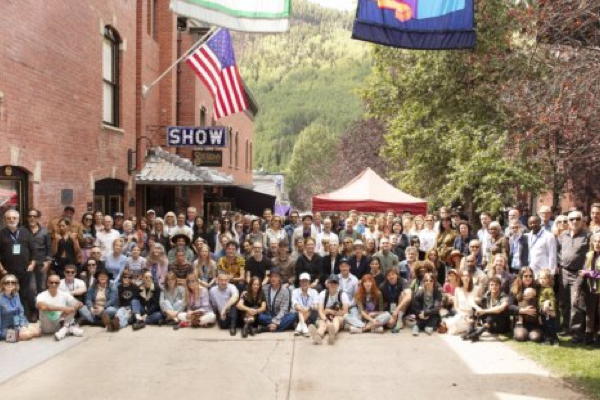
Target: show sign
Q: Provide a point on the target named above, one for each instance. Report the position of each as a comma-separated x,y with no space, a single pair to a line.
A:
197,136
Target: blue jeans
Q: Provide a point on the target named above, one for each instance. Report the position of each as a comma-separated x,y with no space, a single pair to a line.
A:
231,319
287,322
152,319
124,314
96,319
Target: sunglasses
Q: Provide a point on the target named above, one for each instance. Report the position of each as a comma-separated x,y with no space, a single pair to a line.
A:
562,222
474,247
54,283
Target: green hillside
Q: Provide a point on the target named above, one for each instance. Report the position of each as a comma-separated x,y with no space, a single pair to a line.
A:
304,77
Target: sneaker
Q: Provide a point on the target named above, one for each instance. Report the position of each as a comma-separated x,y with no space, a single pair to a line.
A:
331,334
184,324
379,329
354,329
429,330
305,330
61,333
316,338
298,330
415,330
75,330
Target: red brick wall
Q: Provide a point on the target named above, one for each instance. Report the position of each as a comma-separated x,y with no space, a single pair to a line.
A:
50,67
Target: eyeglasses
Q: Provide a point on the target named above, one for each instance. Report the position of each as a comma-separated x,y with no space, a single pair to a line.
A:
54,283
10,282
575,219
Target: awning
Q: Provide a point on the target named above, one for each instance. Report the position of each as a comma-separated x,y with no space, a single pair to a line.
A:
168,169
248,200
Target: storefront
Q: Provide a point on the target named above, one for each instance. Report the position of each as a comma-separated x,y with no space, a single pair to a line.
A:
14,189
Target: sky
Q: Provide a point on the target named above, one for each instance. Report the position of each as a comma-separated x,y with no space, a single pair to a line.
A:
338,4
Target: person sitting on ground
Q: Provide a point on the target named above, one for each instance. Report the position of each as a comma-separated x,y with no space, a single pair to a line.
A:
198,313
375,270
233,265
57,310
493,312
205,267
426,305
223,298
418,273
529,328
369,314
277,317
181,242
252,302
13,324
181,267
396,297
333,307
465,299
75,286
150,300
305,301
548,307
130,308
172,299
100,301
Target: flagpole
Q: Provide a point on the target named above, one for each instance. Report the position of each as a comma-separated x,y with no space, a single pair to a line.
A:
146,88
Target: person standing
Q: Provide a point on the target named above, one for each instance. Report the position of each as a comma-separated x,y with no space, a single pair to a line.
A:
545,214
42,249
572,248
17,258
386,257
483,234
106,236
542,247
518,251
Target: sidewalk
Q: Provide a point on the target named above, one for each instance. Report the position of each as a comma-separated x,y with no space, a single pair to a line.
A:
158,363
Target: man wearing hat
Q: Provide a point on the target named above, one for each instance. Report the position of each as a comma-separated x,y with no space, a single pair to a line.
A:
359,262
181,241
305,301
333,306
101,301
278,316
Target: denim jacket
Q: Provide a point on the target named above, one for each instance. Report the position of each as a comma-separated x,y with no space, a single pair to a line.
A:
111,297
12,314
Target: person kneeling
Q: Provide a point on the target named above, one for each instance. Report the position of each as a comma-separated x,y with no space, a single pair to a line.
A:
426,306
333,306
278,316
57,310
252,302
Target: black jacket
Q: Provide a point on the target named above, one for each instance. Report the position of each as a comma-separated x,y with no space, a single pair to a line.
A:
152,303
359,269
314,267
418,303
326,265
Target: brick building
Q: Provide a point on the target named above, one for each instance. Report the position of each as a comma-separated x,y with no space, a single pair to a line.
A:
74,126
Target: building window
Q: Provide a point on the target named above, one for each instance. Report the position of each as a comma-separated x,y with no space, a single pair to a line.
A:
237,147
202,116
246,163
151,17
230,142
110,77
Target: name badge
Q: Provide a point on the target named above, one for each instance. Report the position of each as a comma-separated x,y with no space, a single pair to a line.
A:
16,249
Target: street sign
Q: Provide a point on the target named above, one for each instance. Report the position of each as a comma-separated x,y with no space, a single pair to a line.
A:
197,136
207,158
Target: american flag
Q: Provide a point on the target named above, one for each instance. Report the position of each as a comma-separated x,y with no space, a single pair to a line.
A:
214,63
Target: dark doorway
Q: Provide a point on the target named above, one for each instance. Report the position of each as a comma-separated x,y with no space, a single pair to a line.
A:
108,196
160,199
14,190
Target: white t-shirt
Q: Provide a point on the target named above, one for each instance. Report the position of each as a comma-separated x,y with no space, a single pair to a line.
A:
331,300
71,287
49,319
105,240
310,300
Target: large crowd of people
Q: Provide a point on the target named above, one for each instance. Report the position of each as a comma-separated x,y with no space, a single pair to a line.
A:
533,279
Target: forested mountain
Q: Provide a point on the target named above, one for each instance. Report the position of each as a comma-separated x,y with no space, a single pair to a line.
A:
304,78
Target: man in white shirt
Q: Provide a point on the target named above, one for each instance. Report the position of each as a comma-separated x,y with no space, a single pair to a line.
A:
182,228
223,297
305,301
106,237
542,247
57,310
348,282
74,286
192,213
514,215
483,234
326,234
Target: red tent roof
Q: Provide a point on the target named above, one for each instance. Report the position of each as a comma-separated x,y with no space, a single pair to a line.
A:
369,192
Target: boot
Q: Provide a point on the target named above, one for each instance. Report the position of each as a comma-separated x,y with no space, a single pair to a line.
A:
475,335
232,330
245,330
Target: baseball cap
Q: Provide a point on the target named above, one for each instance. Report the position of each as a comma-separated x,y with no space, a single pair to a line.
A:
333,278
305,276
344,260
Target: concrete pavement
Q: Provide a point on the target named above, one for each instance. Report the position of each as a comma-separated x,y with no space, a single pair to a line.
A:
159,363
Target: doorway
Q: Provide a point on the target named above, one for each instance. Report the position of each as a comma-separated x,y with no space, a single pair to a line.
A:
161,199
108,196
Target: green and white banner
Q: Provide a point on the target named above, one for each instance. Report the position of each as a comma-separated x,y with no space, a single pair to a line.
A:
238,15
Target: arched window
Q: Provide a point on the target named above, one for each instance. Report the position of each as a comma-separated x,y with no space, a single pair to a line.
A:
110,77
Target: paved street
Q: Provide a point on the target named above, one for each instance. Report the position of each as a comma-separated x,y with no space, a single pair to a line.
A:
158,363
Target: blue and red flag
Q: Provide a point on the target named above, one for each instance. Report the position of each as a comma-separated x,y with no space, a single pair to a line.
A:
416,24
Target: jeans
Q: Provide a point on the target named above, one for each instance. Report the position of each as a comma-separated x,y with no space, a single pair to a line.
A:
432,322
287,321
572,309
96,319
549,327
124,314
38,283
353,318
231,319
592,314
152,319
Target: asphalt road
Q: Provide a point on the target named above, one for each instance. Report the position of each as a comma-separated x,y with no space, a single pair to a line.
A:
159,363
